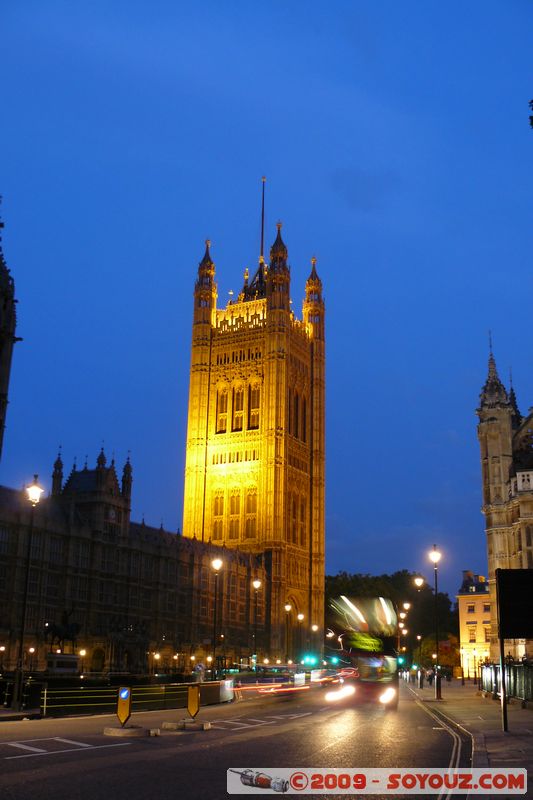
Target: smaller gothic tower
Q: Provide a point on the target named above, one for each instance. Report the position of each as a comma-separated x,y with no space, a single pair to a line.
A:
127,481
57,475
8,322
495,433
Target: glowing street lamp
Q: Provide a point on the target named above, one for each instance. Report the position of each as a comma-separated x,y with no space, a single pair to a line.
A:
34,493
217,565
300,617
257,585
435,557
407,606
419,582
288,609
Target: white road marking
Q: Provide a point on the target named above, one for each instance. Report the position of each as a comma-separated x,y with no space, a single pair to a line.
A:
69,741
26,747
69,750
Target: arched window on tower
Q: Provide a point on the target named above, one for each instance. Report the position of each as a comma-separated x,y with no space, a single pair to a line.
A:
304,419
222,411
234,514
254,397
238,408
250,528
218,515
289,411
302,523
294,520
296,430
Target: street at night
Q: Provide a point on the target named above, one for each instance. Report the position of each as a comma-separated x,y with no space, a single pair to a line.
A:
71,758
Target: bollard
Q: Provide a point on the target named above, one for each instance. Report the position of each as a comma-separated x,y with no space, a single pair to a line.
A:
420,679
438,695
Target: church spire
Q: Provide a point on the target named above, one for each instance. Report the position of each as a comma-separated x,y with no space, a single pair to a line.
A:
278,252
493,393
513,401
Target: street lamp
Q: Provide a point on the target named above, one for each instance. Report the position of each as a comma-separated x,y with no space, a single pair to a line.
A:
474,653
407,606
300,617
419,640
288,609
31,651
34,493
419,582
435,557
216,564
83,653
257,585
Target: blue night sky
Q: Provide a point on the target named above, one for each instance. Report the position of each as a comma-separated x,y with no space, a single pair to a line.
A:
396,145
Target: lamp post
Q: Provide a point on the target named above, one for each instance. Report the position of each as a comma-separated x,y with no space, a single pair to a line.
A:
419,582
288,609
300,617
83,653
257,585
31,651
2,653
34,493
474,653
435,557
216,564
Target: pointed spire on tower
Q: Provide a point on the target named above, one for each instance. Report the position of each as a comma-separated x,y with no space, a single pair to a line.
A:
57,475
262,250
493,393
101,461
513,400
207,261
278,251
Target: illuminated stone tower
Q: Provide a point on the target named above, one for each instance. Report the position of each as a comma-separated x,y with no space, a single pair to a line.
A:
506,444
254,474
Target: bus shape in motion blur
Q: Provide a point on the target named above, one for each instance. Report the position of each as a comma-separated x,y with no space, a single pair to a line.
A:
364,635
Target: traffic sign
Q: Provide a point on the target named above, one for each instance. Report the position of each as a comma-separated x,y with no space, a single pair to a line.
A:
193,700
124,704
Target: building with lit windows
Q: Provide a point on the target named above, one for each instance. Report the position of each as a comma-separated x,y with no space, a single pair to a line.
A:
474,605
254,474
506,444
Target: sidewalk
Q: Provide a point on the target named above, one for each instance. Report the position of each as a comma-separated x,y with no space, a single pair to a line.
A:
481,716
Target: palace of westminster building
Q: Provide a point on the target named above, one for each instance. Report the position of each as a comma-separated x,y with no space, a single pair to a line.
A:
127,593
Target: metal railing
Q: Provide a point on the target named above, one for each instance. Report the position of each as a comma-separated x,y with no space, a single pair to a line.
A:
56,701
518,680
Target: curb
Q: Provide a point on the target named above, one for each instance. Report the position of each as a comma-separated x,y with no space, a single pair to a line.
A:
131,730
186,724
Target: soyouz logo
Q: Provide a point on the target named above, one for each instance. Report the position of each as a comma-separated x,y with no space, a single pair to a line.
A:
398,782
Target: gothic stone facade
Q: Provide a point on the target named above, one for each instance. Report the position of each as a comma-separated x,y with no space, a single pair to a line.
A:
506,443
254,475
123,590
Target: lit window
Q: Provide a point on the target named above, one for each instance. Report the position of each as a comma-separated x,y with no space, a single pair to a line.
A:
238,408
472,633
254,395
222,411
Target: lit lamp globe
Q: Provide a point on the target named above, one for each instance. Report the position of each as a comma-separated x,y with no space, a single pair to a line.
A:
419,582
216,563
314,628
256,584
34,491
435,555
288,607
301,617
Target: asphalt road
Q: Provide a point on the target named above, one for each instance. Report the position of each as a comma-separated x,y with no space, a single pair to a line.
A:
71,759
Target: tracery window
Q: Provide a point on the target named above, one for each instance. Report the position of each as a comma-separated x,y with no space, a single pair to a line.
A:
222,411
